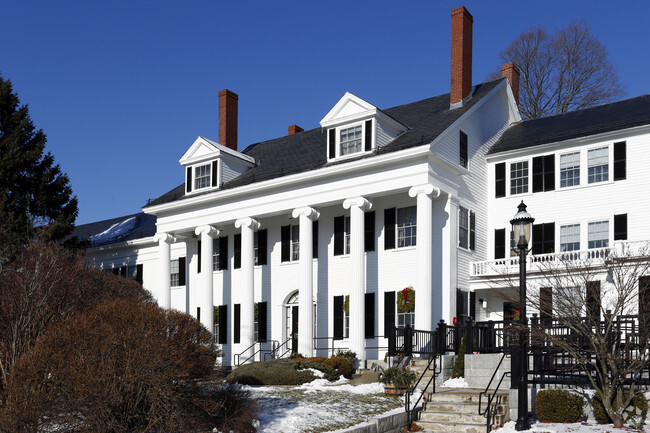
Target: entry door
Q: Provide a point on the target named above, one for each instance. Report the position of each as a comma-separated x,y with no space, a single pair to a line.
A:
294,329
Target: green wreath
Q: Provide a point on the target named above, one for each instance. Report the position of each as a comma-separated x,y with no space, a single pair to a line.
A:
406,300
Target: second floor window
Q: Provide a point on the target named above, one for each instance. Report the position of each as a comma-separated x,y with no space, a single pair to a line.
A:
598,168
570,169
570,237
406,226
175,273
519,177
598,235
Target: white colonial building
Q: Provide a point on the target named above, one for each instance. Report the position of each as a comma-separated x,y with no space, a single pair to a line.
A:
307,241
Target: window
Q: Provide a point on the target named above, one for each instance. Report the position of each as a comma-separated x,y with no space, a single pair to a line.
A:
500,180
406,226
295,243
220,253
598,235
346,235
463,160
619,160
177,268
350,140
570,169
544,173
570,237
342,233
404,319
259,246
466,228
202,176
519,177
598,165
544,238
620,227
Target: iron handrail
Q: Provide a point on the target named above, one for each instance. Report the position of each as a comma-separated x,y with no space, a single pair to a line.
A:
407,404
277,349
487,413
238,355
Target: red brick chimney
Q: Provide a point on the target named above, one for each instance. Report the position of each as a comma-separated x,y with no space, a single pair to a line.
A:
294,129
461,55
228,119
511,72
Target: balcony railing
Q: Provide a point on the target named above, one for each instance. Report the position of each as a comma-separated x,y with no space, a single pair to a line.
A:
538,262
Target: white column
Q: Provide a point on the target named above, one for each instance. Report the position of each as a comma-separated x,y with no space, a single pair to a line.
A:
424,248
449,260
306,217
247,299
164,247
357,206
206,299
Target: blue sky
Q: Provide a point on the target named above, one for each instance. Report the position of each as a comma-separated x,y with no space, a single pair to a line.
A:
123,88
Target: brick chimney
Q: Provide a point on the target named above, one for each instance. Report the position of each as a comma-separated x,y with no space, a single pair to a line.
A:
461,56
511,72
294,129
228,118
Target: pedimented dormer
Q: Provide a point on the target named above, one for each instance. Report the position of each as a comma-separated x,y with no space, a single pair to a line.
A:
208,165
356,127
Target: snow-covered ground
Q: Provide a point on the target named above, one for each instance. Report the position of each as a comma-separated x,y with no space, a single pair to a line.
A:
314,406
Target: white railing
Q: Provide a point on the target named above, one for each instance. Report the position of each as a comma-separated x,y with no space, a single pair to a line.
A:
537,262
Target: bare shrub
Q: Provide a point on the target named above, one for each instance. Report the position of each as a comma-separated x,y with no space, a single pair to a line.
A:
121,367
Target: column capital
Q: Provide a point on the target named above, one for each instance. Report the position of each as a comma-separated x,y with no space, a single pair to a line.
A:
206,230
247,222
164,237
360,202
426,188
307,211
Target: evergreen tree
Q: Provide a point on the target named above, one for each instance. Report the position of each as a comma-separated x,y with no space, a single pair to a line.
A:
36,201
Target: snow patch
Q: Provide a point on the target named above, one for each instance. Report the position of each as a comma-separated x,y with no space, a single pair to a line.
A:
457,382
118,229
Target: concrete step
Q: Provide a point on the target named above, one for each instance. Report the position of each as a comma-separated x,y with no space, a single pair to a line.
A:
455,417
440,427
461,408
462,395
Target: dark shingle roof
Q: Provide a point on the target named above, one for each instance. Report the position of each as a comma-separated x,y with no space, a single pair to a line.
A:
306,150
120,229
581,123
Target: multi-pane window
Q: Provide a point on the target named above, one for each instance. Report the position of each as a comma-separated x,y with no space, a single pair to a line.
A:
175,273
202,176
598,235
350,140
404,319
463,156
346,235
570,237
519,177
295,243
598,165
570,169
463,227
406,226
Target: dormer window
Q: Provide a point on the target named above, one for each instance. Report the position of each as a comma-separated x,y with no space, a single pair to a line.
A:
350,140
202,176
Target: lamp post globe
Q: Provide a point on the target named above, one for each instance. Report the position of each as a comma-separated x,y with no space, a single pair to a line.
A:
522,224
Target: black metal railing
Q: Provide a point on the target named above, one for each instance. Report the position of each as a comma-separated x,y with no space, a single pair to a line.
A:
493,399
431,366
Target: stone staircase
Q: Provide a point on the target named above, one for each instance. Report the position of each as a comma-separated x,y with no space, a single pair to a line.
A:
457,409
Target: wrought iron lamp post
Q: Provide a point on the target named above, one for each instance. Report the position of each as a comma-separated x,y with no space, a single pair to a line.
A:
522,224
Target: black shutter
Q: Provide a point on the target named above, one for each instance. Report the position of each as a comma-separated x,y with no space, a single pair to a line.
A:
261,321
285,250
620,227
223,324
138,273
214,173
338,317
389,228
472,230
545,303
619,161
314,239
198,265
237,326
198,313
593,300
188,181
500,180
389,313
339,227
332,143
369,231
223,253
237,241
181,271
472,305
463,157
549,172
368,137
116,271
538,174
369,319
499,243
262,246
